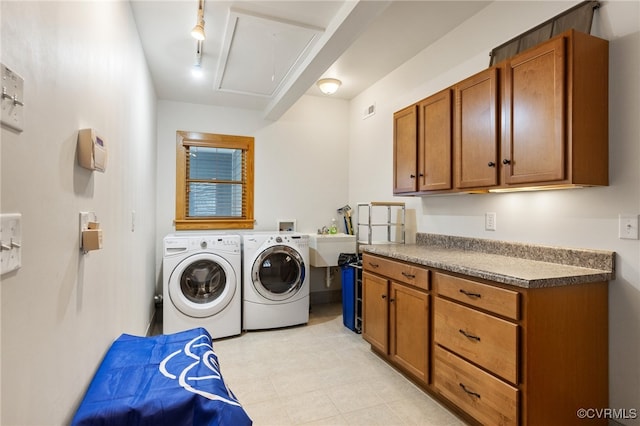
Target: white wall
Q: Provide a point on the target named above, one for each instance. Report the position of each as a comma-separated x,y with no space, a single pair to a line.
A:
83,66
301,161
585,218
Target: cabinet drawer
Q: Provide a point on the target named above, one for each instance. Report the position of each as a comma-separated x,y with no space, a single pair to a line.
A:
494,299
397,271
486,340
486,398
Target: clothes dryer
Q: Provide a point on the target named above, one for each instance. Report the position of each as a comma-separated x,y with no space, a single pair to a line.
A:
276,280
202,283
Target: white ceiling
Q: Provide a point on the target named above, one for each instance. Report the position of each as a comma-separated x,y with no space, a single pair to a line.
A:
264,55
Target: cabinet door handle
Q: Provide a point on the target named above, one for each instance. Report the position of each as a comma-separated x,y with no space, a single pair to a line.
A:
469,336
421,174
408,275
464,388
505,161
384,296
412,176
491,164
392,300
373,265
472,295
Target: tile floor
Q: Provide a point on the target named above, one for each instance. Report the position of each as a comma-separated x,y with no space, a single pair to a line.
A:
321,374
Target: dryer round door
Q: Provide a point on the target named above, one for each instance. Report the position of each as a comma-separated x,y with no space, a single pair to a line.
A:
202,285
278,273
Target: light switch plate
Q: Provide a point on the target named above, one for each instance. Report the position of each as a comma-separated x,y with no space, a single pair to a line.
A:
628,226
11,239
12,94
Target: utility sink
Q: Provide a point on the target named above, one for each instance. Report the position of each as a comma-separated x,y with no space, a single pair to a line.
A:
324,249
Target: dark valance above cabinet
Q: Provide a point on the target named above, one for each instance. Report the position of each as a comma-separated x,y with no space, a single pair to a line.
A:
578,18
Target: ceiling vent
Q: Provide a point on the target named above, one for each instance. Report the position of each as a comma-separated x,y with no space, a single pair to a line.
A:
260,52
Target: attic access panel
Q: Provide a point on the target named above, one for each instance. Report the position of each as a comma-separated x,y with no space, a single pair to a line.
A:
578,17
260,52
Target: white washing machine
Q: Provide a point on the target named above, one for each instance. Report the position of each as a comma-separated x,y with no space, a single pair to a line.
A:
276,280
202,283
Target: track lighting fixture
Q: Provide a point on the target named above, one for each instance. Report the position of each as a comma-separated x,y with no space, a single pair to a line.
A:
198,31
196,70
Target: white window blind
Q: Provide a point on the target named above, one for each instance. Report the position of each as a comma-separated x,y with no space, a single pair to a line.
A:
215,181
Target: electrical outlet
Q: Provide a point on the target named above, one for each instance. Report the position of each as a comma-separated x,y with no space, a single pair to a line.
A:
490,221
628,226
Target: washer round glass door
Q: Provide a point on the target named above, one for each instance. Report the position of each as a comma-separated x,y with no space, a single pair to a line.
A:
202,285
278,273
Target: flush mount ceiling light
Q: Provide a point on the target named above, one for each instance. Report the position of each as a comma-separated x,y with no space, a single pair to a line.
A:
198,31
328,86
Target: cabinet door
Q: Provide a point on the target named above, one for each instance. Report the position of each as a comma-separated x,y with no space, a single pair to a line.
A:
434,142
405,125
476,130
375,311
534,102
409,329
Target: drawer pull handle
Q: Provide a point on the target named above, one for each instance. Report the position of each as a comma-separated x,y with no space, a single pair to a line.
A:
469,336
472,295
373,265
464,388
408,275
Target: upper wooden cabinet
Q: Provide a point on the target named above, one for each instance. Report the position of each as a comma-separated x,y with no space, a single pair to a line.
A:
422,145
404,150
556,113
539,119
434,142
476,130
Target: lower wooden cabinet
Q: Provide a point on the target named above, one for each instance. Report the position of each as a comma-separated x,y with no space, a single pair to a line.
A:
395,318
486,398
375,311
489,341
495,354
409,330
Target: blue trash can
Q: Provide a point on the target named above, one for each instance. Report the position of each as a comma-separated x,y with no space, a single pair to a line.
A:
349,297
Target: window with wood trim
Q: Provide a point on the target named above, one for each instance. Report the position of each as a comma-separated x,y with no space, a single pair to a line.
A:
214,181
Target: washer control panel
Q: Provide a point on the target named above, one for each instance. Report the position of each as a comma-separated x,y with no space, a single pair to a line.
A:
180,244
218,242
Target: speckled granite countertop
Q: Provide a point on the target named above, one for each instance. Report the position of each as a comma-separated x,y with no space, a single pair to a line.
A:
522,265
